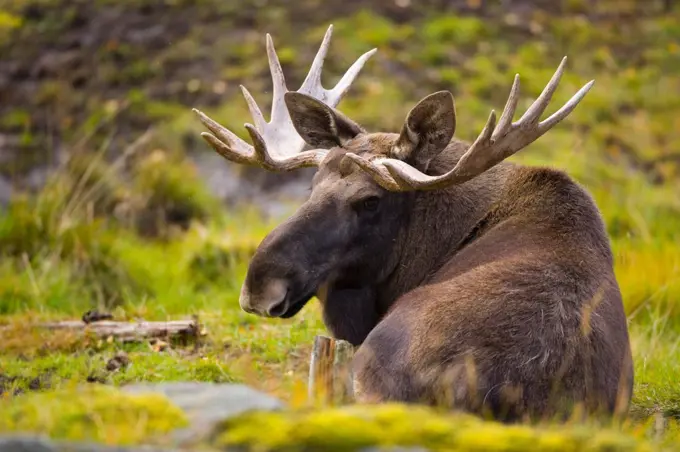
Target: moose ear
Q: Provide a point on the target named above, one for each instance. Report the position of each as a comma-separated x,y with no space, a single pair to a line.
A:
319,124
428,129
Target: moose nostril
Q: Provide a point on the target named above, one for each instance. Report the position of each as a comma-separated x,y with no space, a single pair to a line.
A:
274,297
278,309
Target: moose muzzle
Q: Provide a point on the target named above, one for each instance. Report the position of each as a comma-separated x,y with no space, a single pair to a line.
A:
269,300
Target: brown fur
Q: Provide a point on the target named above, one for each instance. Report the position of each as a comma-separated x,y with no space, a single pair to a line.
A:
494,296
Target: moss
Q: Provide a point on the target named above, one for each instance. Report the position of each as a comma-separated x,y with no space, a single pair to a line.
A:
355,427
93,413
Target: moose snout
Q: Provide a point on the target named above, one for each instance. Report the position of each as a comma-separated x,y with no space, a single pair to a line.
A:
269,299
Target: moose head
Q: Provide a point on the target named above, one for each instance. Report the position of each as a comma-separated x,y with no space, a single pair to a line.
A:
346,235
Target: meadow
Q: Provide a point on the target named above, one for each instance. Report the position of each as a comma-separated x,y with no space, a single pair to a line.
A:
126,223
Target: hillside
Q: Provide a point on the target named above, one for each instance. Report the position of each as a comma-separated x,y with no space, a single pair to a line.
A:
104,72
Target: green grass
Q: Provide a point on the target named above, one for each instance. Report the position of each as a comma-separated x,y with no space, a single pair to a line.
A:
97,236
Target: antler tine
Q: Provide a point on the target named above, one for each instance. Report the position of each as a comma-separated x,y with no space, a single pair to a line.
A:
279,88
495,143
346,81
474,161
480,156
566,109
255,112
226,143
259,147
303,159
312,84
276,144
314,76
508,112
378,172
534,112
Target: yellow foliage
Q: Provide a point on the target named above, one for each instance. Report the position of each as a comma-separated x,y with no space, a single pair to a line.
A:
95,413
9,21
649,275
354,427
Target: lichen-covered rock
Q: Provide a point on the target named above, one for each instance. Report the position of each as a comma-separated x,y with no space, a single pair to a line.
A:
91,413
399,427
208,404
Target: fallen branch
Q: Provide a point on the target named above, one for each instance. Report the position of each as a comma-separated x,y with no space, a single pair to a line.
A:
331,381
131,331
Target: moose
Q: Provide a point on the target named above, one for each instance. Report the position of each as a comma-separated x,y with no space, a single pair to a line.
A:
462,279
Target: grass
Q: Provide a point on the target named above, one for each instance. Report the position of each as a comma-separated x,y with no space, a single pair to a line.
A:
143,238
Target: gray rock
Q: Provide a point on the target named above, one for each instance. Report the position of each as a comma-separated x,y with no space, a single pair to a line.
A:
27,443
271,193
207,404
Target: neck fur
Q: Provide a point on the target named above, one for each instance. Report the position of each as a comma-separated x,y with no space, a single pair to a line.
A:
439,220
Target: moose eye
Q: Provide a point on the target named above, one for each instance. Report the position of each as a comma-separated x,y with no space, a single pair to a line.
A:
370,204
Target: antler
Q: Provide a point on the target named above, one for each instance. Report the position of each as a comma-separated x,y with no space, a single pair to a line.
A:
495,143
276,144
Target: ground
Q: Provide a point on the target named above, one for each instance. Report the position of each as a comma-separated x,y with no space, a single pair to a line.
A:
128,226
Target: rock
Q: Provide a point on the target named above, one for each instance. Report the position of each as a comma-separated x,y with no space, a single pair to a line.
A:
39,444
119,361
271,193
94,315
25,444
207,404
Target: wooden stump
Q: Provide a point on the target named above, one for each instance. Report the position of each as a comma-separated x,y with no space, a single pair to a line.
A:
330,375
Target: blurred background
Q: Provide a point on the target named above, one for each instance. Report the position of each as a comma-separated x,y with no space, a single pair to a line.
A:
109,197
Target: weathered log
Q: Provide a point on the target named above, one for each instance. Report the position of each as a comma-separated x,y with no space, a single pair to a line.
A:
330,376
131,331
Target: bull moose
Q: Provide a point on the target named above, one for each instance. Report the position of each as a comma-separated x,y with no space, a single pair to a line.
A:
462,278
